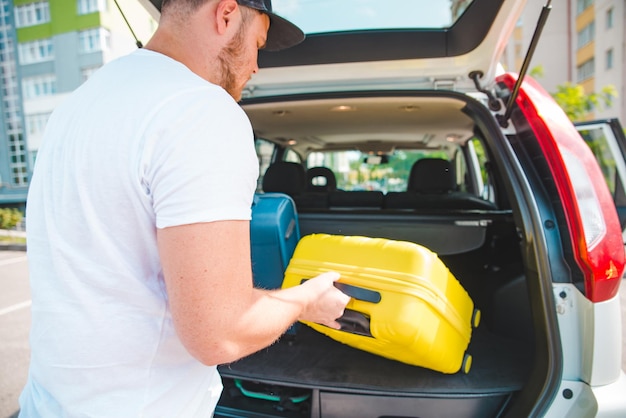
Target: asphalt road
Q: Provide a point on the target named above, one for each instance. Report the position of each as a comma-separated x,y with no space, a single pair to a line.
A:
15,322
14,326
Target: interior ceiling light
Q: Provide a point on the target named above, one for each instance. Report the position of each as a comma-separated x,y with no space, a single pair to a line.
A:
409,108
292,142
343,108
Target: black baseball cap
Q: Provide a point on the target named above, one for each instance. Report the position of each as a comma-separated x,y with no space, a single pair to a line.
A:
282,33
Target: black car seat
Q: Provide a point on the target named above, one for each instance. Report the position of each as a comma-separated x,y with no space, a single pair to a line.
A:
432,185
291,178
328,181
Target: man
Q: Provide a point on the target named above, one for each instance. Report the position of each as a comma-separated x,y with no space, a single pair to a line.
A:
138,226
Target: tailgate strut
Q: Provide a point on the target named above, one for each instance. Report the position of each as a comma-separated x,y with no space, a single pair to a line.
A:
543,17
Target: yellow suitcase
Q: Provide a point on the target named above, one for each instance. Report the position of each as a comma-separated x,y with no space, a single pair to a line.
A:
406,305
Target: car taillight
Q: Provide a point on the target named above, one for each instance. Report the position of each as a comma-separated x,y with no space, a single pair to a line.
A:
589,209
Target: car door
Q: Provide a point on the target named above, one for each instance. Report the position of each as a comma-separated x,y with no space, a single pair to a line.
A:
608,143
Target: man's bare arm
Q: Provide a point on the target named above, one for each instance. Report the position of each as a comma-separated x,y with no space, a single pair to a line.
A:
218,314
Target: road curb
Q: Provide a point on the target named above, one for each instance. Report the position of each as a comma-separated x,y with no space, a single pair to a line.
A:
12,247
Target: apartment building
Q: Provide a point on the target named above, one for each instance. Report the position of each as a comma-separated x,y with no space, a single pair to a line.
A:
14,164
47,49
583,42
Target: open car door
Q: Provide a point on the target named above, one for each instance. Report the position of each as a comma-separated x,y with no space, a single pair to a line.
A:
608,143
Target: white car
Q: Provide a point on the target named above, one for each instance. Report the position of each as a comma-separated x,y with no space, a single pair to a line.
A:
526,221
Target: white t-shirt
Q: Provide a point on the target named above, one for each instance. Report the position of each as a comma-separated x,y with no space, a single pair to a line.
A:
143,144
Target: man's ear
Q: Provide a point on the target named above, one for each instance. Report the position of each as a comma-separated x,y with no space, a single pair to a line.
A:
227,13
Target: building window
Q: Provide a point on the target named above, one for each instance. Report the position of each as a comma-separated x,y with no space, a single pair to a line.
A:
582,5
609,18
36,123
36,51
39,86
6,51
87,72
586,34
91,6
609,59
32,14
585,70
93,40
17,160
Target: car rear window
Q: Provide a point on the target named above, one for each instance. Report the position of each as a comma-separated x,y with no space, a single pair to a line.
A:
322,16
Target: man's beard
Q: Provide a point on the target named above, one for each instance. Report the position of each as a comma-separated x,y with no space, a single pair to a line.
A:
230,59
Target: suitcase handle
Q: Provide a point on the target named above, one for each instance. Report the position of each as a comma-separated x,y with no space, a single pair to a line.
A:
359,293
355,323
356,292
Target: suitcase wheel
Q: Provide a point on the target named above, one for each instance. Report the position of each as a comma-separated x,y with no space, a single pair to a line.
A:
467,363
476,318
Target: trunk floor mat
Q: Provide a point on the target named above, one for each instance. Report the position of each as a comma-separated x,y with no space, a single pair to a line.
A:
312,360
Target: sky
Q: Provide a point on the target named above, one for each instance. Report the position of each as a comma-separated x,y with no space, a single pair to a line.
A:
314,16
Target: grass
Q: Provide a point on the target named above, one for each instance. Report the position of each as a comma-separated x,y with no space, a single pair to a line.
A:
8,239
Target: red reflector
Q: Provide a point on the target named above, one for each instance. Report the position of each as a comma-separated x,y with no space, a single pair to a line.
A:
591,216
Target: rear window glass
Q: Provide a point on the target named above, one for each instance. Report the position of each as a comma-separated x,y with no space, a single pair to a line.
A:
356,171
600,145
320,16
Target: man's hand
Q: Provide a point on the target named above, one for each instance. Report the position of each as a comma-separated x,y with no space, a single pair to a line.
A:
327,303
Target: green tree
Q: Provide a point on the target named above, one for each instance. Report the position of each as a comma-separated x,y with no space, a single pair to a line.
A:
9,218
536,72
577,104
573,100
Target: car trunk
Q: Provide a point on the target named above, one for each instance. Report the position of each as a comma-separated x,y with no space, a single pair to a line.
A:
334,374
307,374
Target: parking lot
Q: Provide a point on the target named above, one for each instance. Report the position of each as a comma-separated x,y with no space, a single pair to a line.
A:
14,326
15,320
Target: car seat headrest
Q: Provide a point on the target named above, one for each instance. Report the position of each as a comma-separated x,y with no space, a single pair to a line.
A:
284,177
321,179
431,175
